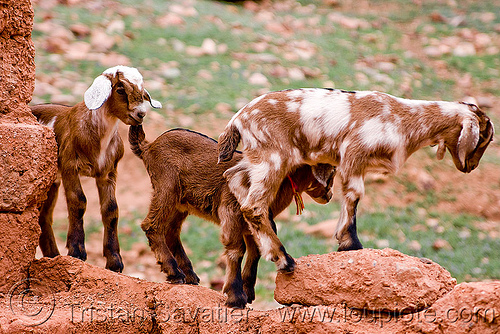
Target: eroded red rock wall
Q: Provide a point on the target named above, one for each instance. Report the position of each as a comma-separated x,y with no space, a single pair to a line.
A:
28,151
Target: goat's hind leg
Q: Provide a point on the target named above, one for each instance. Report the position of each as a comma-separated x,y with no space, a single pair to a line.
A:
109,213
164,257
155,227
173,240
256,212
47,240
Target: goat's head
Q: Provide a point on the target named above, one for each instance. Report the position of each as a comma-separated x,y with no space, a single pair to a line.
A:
123,88
469,144
321,187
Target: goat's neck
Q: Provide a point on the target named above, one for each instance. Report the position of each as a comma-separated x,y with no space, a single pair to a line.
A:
434,127
104,123
106,127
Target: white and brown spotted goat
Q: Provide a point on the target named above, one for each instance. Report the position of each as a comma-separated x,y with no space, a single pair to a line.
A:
358,132
89,145
186,179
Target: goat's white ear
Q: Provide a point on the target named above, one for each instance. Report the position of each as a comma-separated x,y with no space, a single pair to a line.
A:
468,139
441,150
98,92
154,103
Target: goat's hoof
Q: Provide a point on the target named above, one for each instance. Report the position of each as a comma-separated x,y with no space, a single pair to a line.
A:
250,294
353,246
115,263
192,278
236,302
51,253
78,252
178,278
289,266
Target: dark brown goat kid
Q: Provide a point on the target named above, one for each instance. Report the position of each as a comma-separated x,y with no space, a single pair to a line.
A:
89,145
186,179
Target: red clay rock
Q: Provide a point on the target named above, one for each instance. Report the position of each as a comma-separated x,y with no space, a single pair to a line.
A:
28,165
27,151
369,279
469,308
19,235
17,68
74,296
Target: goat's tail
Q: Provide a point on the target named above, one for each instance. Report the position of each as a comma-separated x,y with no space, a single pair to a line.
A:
228,141
137,139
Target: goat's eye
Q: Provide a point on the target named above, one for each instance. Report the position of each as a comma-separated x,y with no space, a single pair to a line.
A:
121,91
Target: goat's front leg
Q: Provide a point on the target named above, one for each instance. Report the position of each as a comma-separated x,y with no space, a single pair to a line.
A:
77,203
47,240
109,213
234,245
249,274
346,234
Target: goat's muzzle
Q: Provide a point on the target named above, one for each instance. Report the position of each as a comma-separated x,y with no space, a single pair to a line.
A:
319,195
134,120
136,116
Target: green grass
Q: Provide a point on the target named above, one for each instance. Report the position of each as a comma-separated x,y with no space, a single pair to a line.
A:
471,256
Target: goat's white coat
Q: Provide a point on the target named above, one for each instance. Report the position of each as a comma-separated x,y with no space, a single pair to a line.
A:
317,117
260,171
265,245
375,133
275,159
252,141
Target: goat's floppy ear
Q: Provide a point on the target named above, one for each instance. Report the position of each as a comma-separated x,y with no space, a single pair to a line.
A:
98,92
468,139
323,173
155,104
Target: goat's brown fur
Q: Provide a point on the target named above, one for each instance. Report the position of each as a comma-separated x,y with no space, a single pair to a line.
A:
186,179
357,131
89,145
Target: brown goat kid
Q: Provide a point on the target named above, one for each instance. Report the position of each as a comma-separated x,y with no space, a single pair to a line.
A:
358,132
89,145
186,179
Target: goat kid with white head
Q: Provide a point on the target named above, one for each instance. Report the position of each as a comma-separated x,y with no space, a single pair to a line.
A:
89,145
358,132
